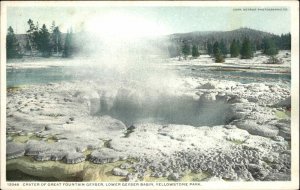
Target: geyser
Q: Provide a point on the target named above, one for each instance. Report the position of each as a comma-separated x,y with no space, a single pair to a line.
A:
129,54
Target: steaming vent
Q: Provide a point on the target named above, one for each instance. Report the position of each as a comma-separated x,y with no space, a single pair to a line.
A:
131,107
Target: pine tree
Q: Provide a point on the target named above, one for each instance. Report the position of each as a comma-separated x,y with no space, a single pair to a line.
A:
32,36
68,47
253,47
223,48
12,45
56,38
195,51
186,50
209,48
216,48
246,50
257,45
219,58
234,49
269,47
239,46
43,42
287,41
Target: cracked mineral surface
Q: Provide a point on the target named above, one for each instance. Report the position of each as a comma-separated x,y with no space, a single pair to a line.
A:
203,130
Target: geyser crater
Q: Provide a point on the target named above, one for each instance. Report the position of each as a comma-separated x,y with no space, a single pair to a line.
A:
131,108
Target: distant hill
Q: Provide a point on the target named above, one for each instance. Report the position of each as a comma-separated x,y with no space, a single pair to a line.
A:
201,38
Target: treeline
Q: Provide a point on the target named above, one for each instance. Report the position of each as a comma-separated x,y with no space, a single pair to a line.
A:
40,41
219,50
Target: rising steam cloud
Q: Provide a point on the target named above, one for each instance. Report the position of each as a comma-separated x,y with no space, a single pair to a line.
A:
128,47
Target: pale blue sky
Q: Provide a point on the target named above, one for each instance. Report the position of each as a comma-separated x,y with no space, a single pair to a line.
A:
173,19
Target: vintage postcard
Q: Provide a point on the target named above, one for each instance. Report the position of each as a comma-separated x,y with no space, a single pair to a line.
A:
150,95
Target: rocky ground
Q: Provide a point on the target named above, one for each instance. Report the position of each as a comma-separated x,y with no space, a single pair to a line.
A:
62,124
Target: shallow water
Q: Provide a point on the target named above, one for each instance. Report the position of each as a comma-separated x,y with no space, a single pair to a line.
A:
27,76
244,76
